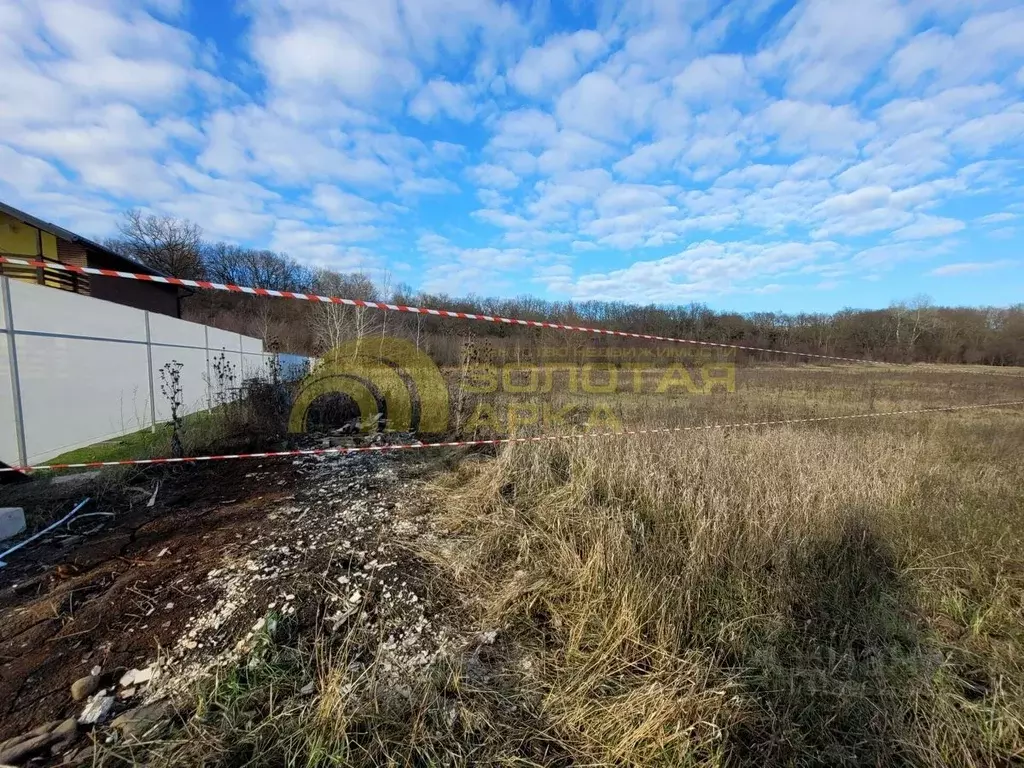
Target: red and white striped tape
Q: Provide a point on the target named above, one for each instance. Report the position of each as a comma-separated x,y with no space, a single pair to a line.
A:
205,284
493,441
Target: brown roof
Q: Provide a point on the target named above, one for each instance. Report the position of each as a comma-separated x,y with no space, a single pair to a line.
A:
113,260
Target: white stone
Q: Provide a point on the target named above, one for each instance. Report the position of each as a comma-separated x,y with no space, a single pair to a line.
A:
78,478
136,677
97,710
12,522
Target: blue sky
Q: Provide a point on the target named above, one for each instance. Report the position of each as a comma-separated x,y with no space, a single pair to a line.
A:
751,155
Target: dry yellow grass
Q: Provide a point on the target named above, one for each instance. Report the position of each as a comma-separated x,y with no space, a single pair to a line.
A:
831,594
836,593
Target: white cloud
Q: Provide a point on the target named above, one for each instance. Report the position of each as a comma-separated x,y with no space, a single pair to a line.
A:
830,48
874,209
715,78
569,150
251,141
82,81
524,129
220,217
456,270
967,267
427,186
848,137
139,81
707,268
984,45
802,126
519,162
492,198
756,175
597,105
942,110
495,176
906,159
440,29
324,54
26,173
559,199
369,53
329,246
502,219
864,223
559,60
928,226
997,218
341,207
980,135
925,52
441,97
708,154
448,152
650,159
1003,233
864,199
627,198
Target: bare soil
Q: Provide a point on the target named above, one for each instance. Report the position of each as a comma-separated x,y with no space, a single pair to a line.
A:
111,599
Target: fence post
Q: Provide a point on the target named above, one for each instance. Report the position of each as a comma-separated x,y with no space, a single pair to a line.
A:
12,355
152,382
209,380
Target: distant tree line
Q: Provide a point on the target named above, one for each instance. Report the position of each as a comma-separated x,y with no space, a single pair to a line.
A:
907,331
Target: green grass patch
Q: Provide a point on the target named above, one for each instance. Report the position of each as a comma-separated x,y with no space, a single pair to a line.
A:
144,444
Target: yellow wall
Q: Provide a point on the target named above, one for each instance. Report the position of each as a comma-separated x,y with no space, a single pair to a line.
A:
49,246
21,239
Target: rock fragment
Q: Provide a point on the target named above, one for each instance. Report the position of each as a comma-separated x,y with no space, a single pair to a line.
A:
97,709
84,687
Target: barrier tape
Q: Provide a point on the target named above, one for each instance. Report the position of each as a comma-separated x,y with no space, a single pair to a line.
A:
205,284
493,441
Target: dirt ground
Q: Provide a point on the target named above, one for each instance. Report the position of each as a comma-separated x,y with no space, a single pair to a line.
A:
173,586
109,599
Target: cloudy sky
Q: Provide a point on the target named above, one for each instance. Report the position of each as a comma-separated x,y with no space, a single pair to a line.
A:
757,154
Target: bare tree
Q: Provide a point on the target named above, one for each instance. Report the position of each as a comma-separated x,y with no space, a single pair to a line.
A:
263,322
226,263
387,296
922,317
910,320
334,324
164,243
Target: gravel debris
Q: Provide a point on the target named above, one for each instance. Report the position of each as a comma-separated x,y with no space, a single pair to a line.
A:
338,548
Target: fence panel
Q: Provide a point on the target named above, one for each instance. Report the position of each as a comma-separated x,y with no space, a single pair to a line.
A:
87,369
254,362
78,391
8,428
192,379
172,331
37,309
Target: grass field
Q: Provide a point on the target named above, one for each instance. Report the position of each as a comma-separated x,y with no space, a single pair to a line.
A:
835,593
847,592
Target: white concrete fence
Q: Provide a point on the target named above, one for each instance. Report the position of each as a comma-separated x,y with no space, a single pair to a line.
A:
75,370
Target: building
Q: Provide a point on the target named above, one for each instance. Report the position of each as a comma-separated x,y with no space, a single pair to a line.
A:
24,235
